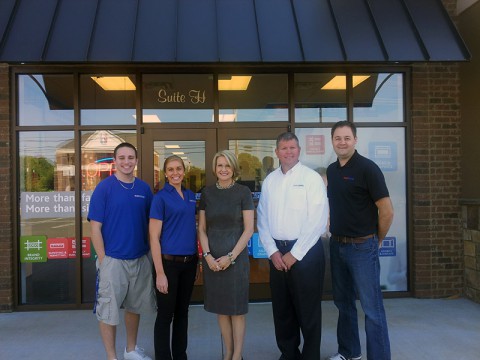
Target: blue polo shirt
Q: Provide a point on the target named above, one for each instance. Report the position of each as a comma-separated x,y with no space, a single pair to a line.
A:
124,217
179,231
352,192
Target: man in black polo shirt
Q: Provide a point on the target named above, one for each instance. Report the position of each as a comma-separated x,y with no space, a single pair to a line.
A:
361,213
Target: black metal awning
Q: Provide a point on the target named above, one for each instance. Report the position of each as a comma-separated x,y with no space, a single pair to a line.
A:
227,31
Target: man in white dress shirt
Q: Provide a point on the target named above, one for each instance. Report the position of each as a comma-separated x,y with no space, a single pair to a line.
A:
292,215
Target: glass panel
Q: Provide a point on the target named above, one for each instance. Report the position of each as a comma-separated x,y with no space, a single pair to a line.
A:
170,98
193,155
45,100
389,154
107,100
256,159
318,99
97,164
47,244
386,146
253,98
378,98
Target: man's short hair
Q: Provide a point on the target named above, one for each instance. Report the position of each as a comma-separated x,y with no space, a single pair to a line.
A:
287,136
344,123
124,144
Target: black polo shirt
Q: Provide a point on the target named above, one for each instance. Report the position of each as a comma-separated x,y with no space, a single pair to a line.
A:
352,192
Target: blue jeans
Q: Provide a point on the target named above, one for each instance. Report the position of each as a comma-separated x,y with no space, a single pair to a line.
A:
356,272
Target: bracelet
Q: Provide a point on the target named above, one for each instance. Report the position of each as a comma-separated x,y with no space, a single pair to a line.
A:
206,254
230,256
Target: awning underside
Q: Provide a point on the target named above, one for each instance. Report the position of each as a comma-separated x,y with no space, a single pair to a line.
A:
227,31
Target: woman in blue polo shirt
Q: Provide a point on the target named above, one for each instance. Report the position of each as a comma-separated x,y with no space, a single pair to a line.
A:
174,251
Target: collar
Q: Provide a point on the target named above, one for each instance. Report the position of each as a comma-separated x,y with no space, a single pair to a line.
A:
170,188
350,161
297,166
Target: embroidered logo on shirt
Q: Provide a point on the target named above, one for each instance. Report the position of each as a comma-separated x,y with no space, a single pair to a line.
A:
139,196
297,185
349,178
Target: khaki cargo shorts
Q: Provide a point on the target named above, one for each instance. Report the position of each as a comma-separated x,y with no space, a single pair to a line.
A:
125,284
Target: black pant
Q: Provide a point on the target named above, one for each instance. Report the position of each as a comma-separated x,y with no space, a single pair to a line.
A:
173,306
297,306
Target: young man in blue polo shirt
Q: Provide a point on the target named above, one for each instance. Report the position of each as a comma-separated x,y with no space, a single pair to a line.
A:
360,215
118,215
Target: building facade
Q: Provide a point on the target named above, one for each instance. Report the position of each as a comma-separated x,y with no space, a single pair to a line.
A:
59,124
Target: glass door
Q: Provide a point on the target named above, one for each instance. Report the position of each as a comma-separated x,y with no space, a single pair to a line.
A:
255,150
196,147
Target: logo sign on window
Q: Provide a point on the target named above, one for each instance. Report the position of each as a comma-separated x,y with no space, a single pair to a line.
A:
389,246
315,144
33,248
258,249
66,248
384,154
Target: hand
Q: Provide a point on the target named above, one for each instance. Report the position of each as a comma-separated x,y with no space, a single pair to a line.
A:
289,260
223,262
278,262
212,263
162,283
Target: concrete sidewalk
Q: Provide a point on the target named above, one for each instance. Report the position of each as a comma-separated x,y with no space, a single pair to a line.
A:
419,329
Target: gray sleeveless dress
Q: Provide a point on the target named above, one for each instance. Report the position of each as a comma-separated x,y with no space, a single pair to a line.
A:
226,292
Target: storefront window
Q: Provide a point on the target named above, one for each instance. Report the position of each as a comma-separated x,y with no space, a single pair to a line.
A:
378,97
45,100
386,147
177,98
256,98
47,244
107,100
320,97
97,164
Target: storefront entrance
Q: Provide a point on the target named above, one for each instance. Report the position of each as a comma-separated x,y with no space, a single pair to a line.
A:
255,149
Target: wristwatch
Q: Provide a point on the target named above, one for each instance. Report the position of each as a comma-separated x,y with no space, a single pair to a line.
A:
205,254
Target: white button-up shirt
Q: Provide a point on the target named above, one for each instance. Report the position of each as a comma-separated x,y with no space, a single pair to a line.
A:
292,206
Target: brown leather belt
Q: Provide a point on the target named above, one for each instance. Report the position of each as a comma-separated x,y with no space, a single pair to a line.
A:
352,240
178,258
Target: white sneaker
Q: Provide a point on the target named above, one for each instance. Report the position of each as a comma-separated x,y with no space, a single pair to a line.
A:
137,354
338,356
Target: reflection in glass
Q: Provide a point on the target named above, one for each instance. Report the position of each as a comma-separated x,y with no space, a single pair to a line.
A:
253,98
379,98
47,244
318,99
106,105
192,154
45,99
181,98
257,159
97,164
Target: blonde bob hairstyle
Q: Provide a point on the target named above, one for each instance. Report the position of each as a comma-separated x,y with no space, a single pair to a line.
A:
231,160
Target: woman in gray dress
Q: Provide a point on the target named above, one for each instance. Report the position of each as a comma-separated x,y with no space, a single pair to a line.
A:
225,225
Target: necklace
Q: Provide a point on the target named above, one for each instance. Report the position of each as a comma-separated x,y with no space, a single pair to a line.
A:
126,188
224,187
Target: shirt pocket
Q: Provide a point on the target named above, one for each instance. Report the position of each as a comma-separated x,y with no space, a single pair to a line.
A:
297,197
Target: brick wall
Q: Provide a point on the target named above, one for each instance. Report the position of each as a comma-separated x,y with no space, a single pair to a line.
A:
471,241
437,256
437,262
6,244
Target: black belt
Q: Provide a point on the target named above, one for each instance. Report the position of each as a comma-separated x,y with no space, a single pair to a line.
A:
352,240
285,243
178,258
